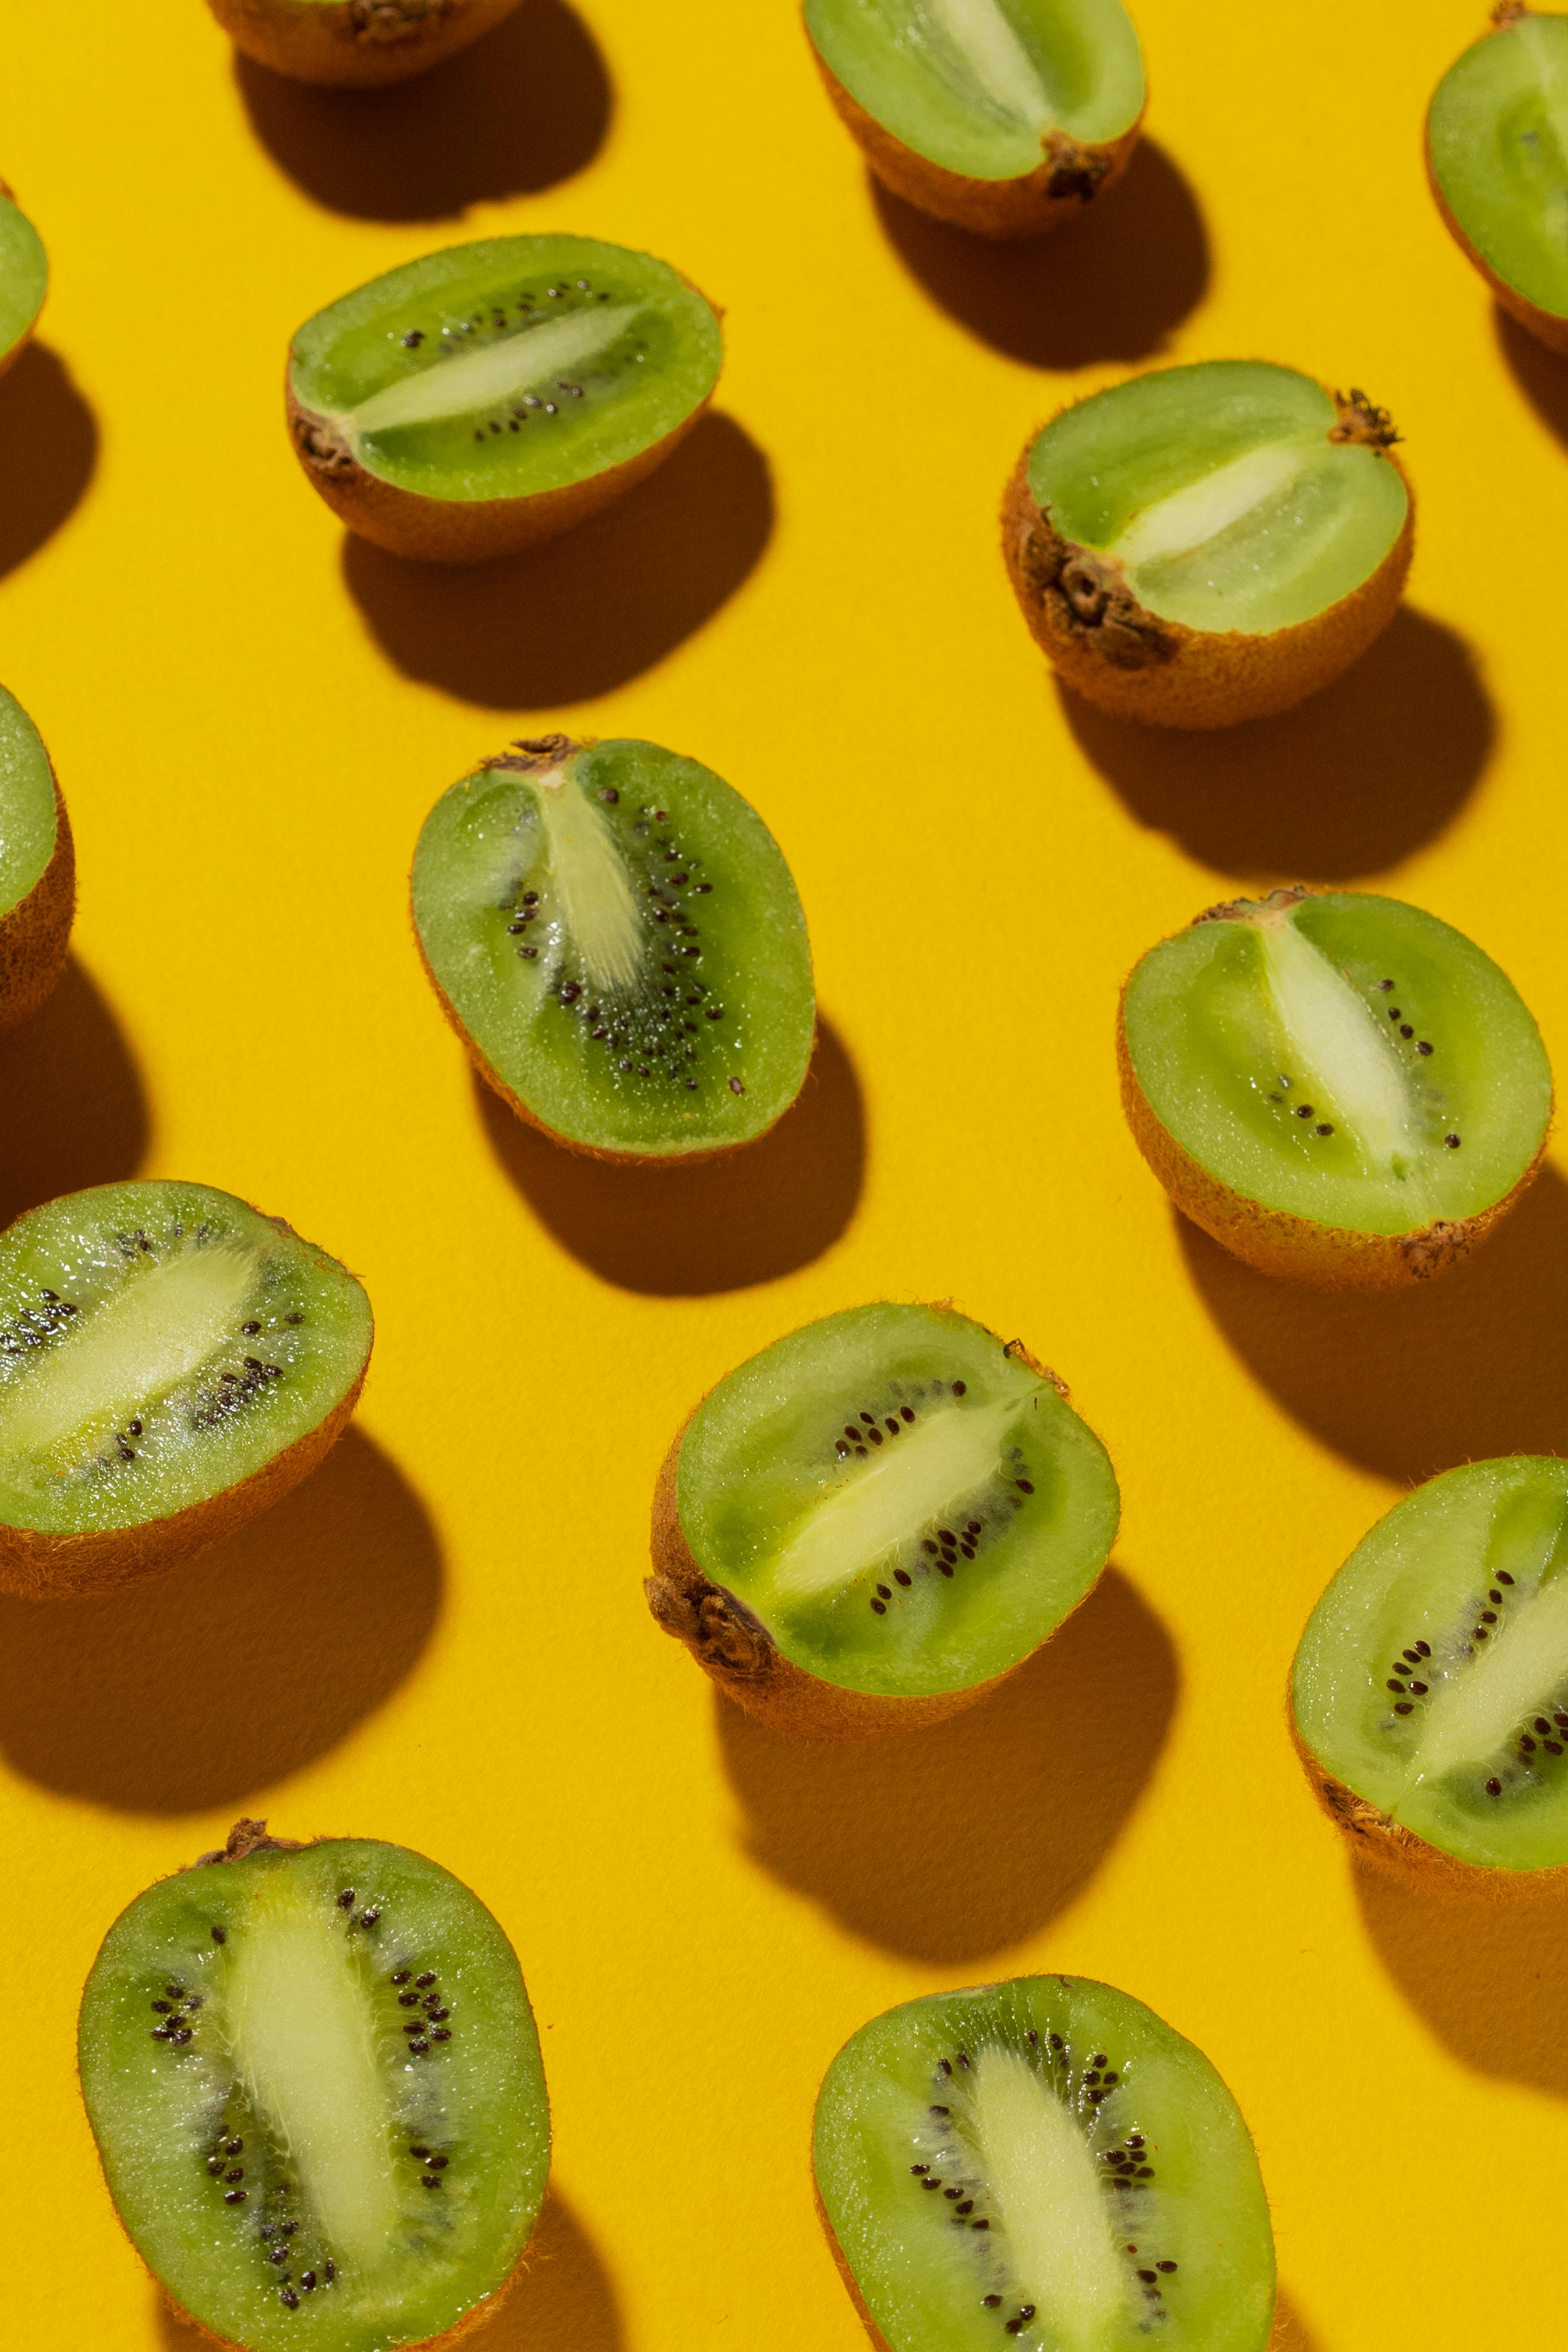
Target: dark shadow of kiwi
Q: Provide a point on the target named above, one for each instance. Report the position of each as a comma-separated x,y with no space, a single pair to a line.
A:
1347,785
1291,2333
199,1689
591,611
75,1110
685,1233
1408,1382
948,1845
48,448
1541,375
1112,284
521,109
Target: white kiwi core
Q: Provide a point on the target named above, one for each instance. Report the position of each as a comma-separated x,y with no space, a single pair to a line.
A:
985,51
1470,1716
1339,1054
1050,2203
530,360
598,908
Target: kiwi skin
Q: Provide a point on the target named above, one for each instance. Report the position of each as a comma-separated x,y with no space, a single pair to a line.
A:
35,935
1544,325
355,44
1323,1257
1134,665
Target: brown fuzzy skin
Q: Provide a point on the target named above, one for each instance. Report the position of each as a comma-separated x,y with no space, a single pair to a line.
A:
355,44
35,936
1299,1249
1131,663
1071,176
1545,325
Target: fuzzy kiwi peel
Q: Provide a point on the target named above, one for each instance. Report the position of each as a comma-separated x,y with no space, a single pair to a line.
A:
798,1544
37,869
315,2083
24,277
1497,158
1207,544
355,44
1415,1113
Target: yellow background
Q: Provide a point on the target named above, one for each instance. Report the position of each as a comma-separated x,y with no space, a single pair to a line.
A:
442,1639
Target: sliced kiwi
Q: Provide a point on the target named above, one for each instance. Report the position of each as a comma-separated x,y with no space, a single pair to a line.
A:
315,2083
1043,2163
1208,544
616,938
1000,116
171,1363
23,277
357,43
1430,1691
1497,151
1339,1087
494,395
37,869
865,1526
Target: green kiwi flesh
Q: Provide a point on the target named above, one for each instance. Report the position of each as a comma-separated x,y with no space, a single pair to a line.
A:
23,277
37,869
1496,149
617,938
169,1360
488,395
1043,2163
294,2165
1339,1060
1430,1690
355,44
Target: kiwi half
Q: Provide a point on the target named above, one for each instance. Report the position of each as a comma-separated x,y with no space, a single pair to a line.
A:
171,1363
23,277
1497,154
864,1528
1000,116
315,2085
561,900
493,395
1429,1695
1337,1086
1043,2163
1208,544
37,869
357,43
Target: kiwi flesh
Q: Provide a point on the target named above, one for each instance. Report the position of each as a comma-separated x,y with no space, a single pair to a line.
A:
865,1527
999,116
493,395
1207,544
355,44
23,277
315,2083
1496,155
1045,2164
1429,1695
37,869
561,901
1339,1087
171,1363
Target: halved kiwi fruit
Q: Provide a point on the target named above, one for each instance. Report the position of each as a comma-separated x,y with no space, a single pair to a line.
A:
1430,1692
1043,2163
1339,1087
357,44
1497,153
315,2083
493,395
613,933
864,1528
171,1363
1208,544
23,277
37,869
1000,116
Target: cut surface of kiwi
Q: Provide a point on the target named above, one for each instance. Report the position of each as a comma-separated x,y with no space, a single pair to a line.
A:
617,938
493,394
315,2083
999,115
171,1362
862,1527
355,44
23,277
1042,2163
1338,1087
1430,1690
1209,543
37,869
1497,150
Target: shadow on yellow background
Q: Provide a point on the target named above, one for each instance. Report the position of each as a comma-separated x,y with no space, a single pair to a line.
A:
77,1114
1291,2333
1541,375
48,447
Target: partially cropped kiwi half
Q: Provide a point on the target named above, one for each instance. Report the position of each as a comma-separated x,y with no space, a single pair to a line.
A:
1000,116
1208,544
315,2083
171,1363
614,935
1429,1695
23,277
493,395
1497,153
37,869
357,43
866,1526
1043,2163
1339,1087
